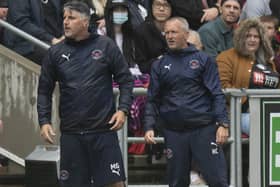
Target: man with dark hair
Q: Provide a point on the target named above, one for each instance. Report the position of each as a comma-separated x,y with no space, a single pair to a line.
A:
185,100
84,64
216,36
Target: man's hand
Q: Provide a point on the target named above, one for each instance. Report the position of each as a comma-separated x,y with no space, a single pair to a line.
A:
101,23
47,133
149,137
222,135
209,14
117,120
57,40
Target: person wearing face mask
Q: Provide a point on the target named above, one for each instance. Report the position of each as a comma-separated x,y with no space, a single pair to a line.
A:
120,15
119,28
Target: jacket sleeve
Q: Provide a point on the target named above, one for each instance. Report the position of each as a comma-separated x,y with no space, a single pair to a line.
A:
153,96
23,16
122,76
212,82
45,89
225,67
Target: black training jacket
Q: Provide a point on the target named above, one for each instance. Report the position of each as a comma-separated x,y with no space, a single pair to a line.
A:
84,72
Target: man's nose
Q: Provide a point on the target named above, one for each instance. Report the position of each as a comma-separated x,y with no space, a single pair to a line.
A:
231,9
65,21
168,35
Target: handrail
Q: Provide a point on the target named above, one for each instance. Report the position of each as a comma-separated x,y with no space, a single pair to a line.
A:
24,35
12,156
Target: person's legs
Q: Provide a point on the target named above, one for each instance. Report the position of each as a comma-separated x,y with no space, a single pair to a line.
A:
178,158
74,170
106,160
209,156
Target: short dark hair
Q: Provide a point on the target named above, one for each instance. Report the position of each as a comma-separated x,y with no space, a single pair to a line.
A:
78,6
270,19
238,1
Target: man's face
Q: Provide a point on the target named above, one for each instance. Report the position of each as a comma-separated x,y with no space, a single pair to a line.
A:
176,37
74,24
161,10
269,29
230,11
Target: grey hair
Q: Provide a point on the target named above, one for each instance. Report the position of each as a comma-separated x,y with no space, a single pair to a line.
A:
183,21
78,6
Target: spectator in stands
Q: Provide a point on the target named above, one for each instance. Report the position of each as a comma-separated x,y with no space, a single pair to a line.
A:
42,19
270,24
84,64
185,99
194,39
3,16
216,35
197,12
271,27
248,64
119,28
150,42
255,9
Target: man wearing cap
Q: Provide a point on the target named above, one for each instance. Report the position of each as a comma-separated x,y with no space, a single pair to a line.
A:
216,35
83,65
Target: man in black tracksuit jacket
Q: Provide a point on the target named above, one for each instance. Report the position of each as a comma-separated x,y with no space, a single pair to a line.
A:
186,101
84,65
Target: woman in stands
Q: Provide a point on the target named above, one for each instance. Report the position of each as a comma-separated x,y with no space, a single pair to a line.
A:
248,64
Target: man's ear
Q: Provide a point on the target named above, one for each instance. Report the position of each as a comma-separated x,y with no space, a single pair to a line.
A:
186,36
86,23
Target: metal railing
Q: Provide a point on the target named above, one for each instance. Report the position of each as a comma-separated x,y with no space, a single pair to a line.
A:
235,138
24,35
231,140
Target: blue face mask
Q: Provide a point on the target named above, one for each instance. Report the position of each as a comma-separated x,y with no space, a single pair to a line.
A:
120,17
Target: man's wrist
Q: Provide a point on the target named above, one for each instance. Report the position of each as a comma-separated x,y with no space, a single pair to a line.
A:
222,124
125,111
